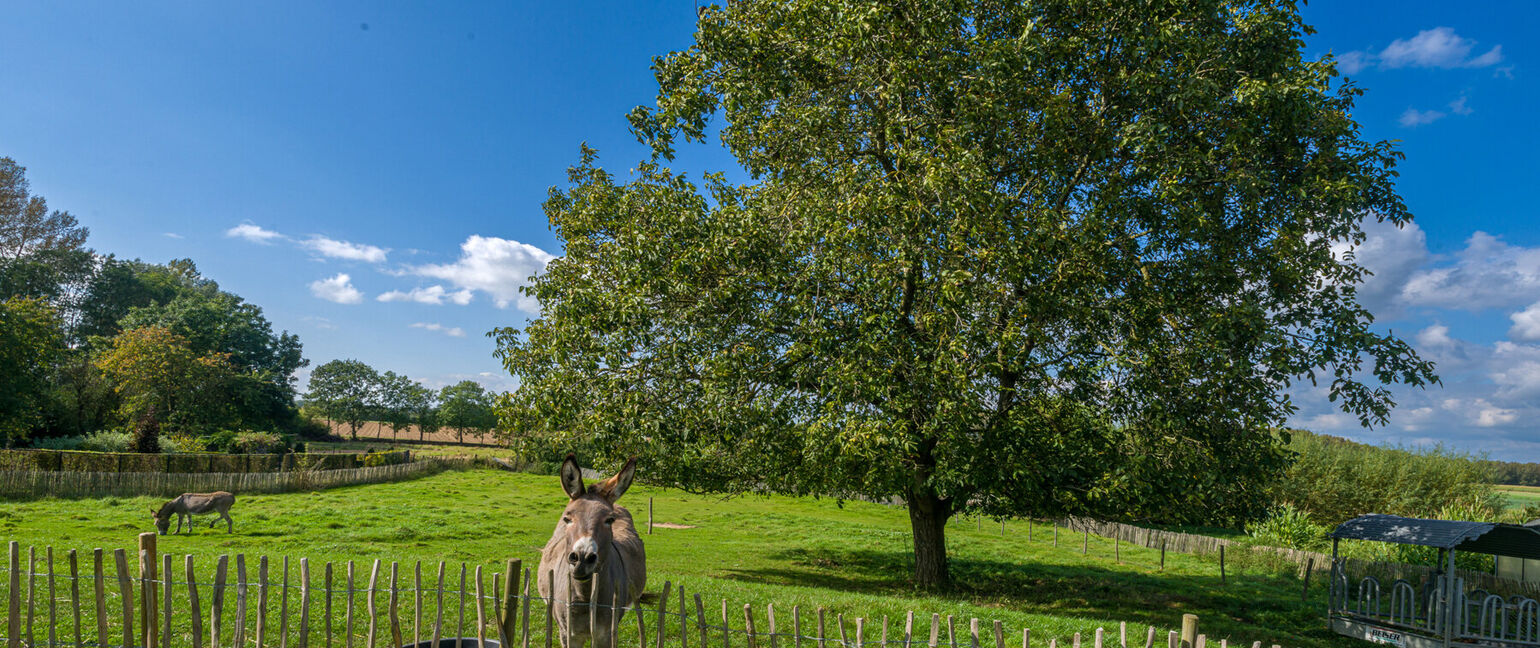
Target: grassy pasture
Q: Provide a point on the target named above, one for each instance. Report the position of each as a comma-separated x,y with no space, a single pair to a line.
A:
1519,496
852,558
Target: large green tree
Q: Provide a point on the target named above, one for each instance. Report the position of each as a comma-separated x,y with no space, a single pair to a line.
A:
346,391
466,405
26,224
163,380
31,341
402,401
1049,257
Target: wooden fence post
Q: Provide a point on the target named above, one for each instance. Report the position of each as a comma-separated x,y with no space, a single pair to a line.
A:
1221,564
147,578
1304,592
126,589
1085,547
649,522
75,590
509,613
192,604
13,615
1162,555
1189,637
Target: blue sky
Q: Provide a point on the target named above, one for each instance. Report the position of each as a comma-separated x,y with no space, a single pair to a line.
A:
371,173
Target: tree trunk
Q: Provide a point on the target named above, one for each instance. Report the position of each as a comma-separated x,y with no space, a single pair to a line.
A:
927,516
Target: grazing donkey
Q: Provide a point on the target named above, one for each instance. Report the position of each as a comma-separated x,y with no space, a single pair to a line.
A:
187,505
594,551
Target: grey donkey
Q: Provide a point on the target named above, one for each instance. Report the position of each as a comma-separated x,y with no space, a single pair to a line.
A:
187,505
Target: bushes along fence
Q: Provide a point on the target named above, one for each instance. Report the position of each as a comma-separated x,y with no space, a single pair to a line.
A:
35,483
128,462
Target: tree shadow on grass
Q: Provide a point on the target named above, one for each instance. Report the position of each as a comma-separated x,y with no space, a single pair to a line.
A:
1251,605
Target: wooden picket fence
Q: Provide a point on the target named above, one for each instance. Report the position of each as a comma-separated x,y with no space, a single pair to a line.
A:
120,600
35,483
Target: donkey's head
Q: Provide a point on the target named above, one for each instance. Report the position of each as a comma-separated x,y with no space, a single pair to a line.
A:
588,516
162,518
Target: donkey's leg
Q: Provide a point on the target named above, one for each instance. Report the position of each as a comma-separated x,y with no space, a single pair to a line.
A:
229,523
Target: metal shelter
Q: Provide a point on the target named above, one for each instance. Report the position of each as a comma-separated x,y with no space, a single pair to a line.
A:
1435,611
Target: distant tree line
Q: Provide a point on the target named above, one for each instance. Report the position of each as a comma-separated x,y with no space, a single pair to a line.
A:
92,342
1514,473
352,393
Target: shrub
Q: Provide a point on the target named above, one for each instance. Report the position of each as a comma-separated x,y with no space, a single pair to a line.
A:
147,433
250,442
107,441
219,441
58,443
1333,480
182,444
387,458
1289,527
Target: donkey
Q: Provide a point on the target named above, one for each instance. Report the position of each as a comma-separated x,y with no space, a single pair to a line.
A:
594,552
187,505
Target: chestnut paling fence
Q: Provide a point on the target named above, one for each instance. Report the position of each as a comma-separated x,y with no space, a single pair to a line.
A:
142,599
35,483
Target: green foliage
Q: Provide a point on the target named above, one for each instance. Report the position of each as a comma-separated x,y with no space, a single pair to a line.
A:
1333,480
107,441
58,443
373,459
345,391
182,444
1514,473
252,442
1289,527
30,342
26,224
982,243
466,406
402,401
217,322
154,368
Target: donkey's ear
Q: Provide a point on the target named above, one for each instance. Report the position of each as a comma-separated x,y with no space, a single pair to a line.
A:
572,478
612,488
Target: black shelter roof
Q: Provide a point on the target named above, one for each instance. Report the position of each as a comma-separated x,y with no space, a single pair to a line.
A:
1482,537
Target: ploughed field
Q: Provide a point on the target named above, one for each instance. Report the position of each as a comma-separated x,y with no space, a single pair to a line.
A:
851,557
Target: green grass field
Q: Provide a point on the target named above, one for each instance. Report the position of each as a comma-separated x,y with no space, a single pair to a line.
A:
1520,496
418,449
852,558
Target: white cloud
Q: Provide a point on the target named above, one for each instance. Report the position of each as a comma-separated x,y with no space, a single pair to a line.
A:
1435,337
1353,62
1413,117
319,322
450,331
1485,414
1516,371
1488,273
254,233
492,265
434,294
1439,47
343,249
337,289
1390,254
1526,324
172,235
1458,107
